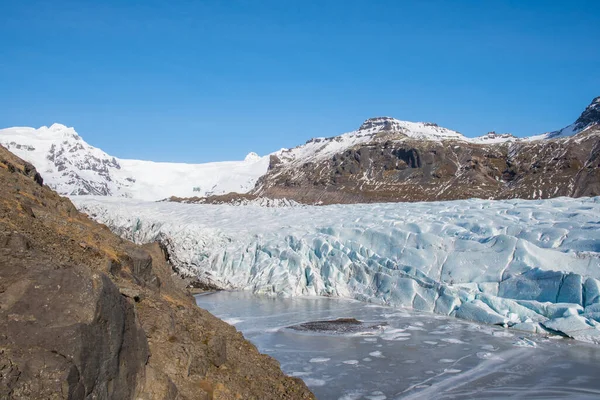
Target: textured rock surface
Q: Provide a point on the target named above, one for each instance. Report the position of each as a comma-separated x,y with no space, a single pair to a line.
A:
403,169
85,314
386,161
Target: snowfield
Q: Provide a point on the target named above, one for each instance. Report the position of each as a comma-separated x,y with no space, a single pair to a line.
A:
528,265
71,166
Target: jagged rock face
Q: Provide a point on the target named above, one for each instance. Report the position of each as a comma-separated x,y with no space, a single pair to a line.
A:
71,168
381,124
590,116
417,170
69,331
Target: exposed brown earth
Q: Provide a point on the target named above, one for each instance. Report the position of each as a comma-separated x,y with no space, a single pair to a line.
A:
393,167
215,199
85,314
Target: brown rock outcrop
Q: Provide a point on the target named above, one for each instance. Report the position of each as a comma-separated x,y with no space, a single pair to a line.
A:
397,168
85,314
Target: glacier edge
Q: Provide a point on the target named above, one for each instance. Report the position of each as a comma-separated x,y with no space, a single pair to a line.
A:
527,265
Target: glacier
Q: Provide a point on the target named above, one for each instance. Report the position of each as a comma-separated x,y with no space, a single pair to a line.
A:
527,265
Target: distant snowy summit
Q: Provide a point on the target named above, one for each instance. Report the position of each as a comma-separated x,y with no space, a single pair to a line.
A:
252,157
385,159
493,137
71,166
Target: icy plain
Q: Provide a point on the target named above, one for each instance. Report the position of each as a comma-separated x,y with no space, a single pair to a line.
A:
532,266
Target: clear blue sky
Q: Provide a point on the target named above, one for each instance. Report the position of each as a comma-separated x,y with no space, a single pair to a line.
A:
200,81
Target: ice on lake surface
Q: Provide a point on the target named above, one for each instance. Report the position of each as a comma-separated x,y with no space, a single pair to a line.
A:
416,355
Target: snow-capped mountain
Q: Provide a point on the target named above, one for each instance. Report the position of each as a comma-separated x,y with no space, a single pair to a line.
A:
71,166
378,128
388,128
391,160
385,159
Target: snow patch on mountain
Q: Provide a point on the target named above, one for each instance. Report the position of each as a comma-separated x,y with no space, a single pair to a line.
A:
529,265
372,129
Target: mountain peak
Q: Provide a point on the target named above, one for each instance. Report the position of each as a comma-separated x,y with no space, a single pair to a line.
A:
380,124
252,156
58,127
590,116
59,130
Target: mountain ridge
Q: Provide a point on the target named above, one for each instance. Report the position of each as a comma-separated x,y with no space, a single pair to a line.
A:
73,167
383,162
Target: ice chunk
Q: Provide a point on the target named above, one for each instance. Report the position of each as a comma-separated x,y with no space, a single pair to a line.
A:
479,311
319,360
592,291
528,327
576,327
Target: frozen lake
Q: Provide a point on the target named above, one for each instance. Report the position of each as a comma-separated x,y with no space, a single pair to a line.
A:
414,354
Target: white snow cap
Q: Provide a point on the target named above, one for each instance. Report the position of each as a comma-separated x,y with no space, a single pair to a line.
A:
252,156
417,130
57,127
72,167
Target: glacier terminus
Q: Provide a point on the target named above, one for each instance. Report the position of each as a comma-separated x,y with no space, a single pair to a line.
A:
530,266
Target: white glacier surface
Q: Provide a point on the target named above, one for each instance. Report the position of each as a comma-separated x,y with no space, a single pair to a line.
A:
529,265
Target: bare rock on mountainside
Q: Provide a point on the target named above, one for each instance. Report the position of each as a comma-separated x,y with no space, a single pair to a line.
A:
85,314
235,199
390,160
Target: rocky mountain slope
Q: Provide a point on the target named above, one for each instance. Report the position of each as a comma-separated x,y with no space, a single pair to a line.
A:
85,314
391,160
73,167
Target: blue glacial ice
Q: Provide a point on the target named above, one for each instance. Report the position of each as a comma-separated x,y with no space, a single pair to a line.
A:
527,265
